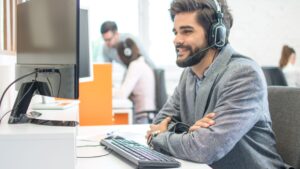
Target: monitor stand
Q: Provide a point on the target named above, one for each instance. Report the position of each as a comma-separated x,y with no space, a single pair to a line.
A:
25,94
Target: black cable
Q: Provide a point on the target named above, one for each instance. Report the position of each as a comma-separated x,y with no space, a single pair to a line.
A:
59,83
13,83
52,93
50,86
20,78
5,114
97,156
21,98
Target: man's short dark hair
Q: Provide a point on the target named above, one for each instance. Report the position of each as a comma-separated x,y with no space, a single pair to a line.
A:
206,12
108,26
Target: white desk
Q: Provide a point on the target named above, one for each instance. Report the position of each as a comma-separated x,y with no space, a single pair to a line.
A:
113,161
30,146
35,141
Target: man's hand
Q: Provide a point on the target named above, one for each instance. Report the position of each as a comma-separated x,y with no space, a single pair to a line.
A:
158,128
205,122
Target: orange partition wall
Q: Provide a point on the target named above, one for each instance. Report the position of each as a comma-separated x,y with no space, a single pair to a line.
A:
95,107
121,118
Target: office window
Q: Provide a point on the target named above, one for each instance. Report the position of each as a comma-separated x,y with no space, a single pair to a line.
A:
124,13
149,20
161,48
160,32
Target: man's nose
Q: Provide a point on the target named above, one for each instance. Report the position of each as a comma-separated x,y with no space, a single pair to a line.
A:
177,40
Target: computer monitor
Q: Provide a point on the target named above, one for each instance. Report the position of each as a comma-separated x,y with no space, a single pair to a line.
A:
85,56
47,52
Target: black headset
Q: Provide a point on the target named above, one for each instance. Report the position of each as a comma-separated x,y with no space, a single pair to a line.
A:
217,34
127,51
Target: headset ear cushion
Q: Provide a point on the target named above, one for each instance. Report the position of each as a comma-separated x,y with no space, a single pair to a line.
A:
217,35
127,52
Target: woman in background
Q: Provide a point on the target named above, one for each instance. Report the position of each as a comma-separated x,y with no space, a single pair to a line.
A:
139,82
287,64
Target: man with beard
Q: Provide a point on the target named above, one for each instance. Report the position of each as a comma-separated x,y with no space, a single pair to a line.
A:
218,113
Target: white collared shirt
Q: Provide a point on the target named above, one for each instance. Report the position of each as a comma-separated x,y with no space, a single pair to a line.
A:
292,75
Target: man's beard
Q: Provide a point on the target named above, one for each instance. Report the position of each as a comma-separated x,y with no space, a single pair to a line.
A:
194,58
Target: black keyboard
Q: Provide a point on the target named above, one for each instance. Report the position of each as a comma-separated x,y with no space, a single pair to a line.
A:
139,154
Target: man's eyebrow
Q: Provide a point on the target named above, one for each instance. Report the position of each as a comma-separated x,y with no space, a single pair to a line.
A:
186,27
183,27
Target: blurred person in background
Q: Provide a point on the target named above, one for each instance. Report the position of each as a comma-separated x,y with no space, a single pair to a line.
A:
111,37
287,64
139,82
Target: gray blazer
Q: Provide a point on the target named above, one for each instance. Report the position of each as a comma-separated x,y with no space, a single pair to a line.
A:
234,87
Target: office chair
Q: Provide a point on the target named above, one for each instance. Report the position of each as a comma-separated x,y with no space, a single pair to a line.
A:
285,113
161,95
274,76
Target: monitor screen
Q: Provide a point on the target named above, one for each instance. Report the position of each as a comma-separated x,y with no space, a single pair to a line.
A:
47,52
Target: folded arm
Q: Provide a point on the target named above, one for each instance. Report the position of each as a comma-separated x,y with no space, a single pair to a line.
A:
237,110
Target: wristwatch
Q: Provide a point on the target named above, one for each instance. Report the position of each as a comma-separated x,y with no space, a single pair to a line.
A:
153,134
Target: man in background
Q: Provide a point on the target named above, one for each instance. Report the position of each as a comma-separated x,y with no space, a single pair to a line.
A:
111,37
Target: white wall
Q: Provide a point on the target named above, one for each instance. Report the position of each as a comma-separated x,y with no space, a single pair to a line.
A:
262,27
7,75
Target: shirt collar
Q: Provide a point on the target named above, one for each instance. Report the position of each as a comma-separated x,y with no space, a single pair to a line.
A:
205,71
202,77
